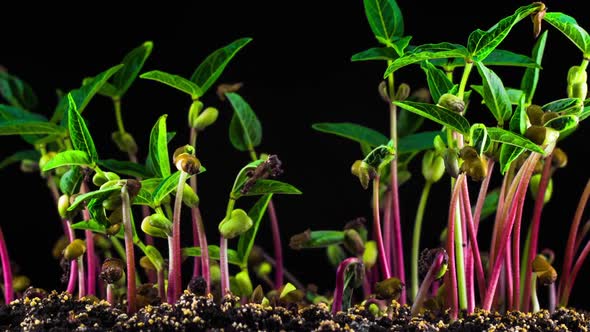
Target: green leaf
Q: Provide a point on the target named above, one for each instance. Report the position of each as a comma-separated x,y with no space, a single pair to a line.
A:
158,160
70,181
232,256
246,240
267,186
438,82
175,81
99,195
498,57
20,156
84,94
417,142
353,132
287,288
385,19
245,130
17,92
585,113
530,78
8,112
67,158
513,94
408,122
91,225
380,156
79,134
243,176
481,43
571,29
168,185
508,153
565,124
427,52
564,106
478,138
144,197
437,114
509,138
494,94
518,122
30,127
375,53
211,68
124,167
316,239
133,62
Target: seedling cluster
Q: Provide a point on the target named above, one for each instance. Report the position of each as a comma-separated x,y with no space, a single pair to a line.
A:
118,214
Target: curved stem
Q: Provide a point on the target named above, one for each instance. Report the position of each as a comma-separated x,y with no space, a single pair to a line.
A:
416,237
118,116
6,270
569,283
176,273
472,231
340,280
427,282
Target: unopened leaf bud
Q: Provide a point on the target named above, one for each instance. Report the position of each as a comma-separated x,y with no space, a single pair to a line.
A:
403,92
535,114
534,187
63,203
433,166
353,242
125,142
451,102
189,197
238,223
100,178
207,118
75,249
157,225
193,112
335,254
370,254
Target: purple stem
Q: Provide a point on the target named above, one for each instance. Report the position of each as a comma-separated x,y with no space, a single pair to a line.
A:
509,281
427,282
176,273
516,259
387,231
535,226
472,231
6,270
202,238
452,276
516,197
483,191
398,249
110,294
278,251
129,252
171,266
469,282
570,249
223,266
90,252
340,279
581,235
73,264
383,261
569,283
498,220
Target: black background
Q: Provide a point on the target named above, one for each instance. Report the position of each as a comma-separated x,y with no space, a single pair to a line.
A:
296,72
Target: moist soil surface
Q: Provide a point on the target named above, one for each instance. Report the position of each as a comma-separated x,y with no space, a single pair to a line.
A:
62,312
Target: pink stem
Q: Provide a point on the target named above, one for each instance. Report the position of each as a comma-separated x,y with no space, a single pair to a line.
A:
469,283
6,270
498,220
483,191
535,226
73,263
176,273
508,275
340,279
581,235
387,231
383,261
198,221
171,268
110,294
569,283
472,231
516,259
278,251
569,250
90,252
129,252
398,248
516,197
428,280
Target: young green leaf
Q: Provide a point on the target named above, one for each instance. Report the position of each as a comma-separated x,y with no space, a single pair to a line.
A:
246,240
70,181
513,94
79,134
175,81
243,176
385,19
564,106
518,121
17,92
530,78
427,52
232,256
245,130
375,53
166,186
30,127
498,57
481,43
124,167
353,132
133,62
571,29
211,68
20,156
316,239
565,124
417,142
144,197
437,114
509,138
99,195
158,159
438,82
478,138
67,158
380,156
508,153
494,94
84,94
267,186
8,112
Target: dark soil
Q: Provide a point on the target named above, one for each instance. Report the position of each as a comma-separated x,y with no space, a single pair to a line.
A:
61,312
